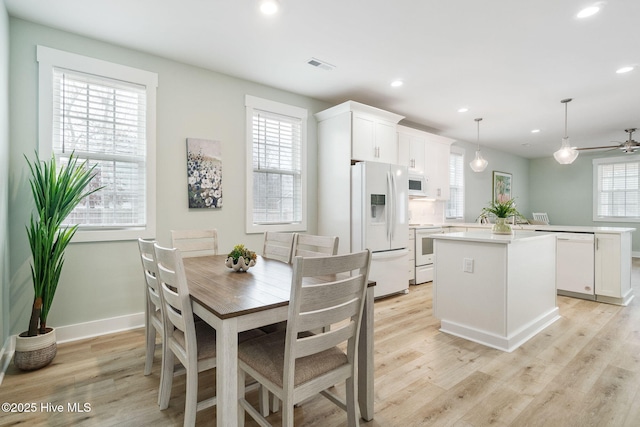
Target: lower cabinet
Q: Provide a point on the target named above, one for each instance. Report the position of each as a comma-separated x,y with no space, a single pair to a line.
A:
412,256
613,268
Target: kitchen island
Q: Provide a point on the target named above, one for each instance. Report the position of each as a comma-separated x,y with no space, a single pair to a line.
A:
497,290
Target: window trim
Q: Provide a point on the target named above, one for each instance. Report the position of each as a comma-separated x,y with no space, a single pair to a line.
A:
596,189
251,103
459,151
49,58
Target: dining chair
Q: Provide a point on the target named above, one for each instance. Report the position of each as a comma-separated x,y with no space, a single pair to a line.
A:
195,242
278,246
541,216
309,245
192,342
153,322
296,364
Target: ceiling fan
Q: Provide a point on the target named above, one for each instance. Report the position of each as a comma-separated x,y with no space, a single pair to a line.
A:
629,146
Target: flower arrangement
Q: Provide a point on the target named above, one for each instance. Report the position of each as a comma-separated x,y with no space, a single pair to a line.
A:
204,175
241,258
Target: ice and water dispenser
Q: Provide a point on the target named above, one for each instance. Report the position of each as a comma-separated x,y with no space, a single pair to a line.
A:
378,204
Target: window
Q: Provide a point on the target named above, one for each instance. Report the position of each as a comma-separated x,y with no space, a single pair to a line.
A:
276,156
455,205
105,114
616,184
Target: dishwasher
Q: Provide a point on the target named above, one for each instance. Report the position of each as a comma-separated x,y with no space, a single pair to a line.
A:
574,264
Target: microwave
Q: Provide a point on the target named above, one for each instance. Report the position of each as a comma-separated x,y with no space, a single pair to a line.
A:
417,185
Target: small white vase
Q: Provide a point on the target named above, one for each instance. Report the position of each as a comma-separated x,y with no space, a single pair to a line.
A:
240,265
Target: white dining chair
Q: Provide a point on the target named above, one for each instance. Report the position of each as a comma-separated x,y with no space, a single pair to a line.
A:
195,242
310,245
153,322
541,216
278,246
296,364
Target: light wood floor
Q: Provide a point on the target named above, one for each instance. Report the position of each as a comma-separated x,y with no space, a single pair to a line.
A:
584,370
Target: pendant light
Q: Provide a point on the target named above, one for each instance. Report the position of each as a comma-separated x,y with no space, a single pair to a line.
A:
479,163
565,155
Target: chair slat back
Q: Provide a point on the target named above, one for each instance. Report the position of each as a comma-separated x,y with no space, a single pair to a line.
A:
309,245
148,257
541,216
195,242
278,246
175,293
333,310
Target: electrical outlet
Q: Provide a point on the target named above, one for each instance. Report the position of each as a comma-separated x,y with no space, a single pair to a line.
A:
467,265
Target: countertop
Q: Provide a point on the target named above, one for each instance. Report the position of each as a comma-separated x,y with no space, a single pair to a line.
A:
529,227
486,236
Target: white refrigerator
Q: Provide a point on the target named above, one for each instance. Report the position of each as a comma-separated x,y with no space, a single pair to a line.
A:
380,223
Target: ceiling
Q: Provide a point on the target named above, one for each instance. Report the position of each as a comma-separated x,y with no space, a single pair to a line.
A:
510,62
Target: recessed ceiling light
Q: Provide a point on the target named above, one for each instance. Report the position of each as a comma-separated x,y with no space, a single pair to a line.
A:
269,7
397,83
588,11
625,69
463,110
535,131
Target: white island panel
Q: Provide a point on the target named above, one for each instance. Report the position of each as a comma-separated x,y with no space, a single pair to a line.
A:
496,290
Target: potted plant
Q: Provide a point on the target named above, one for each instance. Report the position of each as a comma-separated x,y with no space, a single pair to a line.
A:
241,258
56,192
502,210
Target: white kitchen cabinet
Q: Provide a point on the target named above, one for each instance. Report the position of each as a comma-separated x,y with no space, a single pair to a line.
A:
613,268
411,149
349,132
373,139
437,149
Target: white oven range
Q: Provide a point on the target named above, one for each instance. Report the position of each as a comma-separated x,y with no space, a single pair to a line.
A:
424,253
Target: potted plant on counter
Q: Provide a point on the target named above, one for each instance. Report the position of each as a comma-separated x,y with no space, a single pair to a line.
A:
56,192
502,210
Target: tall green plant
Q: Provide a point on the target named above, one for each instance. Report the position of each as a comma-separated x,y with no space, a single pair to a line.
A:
56,192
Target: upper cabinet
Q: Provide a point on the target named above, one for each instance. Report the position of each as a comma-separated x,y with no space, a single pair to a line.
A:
426,154
437,151
411,149
372,132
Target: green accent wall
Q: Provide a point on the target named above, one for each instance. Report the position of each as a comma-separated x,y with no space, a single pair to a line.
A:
104,280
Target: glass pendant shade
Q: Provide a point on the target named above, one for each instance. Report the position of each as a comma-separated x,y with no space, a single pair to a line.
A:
565,155
479,163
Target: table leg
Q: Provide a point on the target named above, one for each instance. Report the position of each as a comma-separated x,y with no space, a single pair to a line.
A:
227,373
365,359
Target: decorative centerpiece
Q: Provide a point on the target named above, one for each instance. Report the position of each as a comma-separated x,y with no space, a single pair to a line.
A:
502,210
240,258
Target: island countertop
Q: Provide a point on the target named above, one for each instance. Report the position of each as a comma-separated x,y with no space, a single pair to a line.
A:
549,228
486,236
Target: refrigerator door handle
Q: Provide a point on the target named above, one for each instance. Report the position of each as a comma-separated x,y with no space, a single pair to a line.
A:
394,206
389,205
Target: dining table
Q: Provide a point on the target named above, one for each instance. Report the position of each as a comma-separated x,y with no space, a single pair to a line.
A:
232,302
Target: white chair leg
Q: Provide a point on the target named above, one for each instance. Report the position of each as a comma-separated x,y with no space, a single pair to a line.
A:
191,400
352,410
166,378
264,401
287,414
275,403
151,346
241,395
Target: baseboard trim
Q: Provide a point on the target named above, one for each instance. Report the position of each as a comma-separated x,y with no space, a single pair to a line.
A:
635,254
77,332
99,327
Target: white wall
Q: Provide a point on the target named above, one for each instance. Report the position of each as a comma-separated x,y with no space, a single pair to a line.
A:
103,280
4,174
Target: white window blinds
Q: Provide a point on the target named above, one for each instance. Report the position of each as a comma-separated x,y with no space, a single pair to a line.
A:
617,189
103,120
277,173
455,204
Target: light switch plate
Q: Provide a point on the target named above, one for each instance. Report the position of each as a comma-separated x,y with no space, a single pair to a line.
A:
467,265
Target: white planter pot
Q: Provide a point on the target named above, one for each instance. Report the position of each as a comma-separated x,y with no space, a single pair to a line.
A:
35,352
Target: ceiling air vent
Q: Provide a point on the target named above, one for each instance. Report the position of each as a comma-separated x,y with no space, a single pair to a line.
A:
321,64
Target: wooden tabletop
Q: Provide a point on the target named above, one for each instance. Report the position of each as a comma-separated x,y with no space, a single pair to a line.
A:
227,293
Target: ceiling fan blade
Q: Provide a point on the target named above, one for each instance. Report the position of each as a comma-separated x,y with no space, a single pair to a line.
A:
598,148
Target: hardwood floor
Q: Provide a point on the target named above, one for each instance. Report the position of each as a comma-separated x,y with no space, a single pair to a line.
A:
584,370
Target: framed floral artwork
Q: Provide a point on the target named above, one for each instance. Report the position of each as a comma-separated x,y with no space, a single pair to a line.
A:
501,187
204,173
